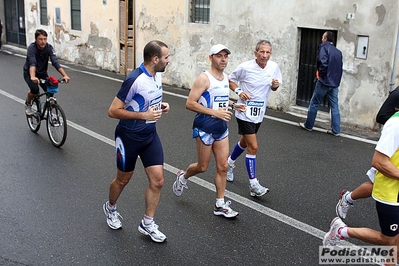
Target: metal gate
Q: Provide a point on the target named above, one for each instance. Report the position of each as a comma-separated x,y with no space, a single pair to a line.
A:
15,22
310,40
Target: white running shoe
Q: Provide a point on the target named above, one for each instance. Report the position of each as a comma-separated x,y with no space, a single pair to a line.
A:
113,220
343,205
28,109
332,237
152,231
230,174
257,190
225,210
178,186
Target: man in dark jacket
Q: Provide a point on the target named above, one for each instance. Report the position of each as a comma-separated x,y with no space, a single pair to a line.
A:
329,74
35,68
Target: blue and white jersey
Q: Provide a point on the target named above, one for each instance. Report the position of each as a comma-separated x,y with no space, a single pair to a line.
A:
140,91
215,97
256,81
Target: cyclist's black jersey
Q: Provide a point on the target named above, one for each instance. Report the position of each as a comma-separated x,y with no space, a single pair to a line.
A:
39,59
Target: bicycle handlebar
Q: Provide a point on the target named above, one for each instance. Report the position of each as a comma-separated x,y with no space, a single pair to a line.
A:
60,80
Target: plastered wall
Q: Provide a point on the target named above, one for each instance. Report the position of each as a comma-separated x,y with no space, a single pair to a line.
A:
239,25
96,44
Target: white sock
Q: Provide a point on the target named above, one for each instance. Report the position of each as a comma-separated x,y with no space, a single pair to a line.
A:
230,161
148,219
183,180
219,202
344,232
253,181
111,207
349,198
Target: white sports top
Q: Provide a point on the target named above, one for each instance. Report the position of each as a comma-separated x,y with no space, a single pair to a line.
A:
256,81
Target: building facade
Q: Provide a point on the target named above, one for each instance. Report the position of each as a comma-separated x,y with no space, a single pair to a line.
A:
111,35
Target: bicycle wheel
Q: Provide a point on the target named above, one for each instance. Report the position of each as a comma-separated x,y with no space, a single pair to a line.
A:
34,120
56,125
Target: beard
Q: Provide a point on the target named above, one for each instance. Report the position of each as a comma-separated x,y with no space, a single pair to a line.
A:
160,67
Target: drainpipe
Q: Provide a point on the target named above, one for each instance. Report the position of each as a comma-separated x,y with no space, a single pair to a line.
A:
395,64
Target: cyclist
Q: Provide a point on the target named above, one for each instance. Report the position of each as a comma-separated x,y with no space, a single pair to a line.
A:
35,68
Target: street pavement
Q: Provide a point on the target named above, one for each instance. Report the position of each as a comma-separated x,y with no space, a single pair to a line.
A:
52,197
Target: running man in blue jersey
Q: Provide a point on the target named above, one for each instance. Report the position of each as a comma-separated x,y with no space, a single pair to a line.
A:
138,105
209,98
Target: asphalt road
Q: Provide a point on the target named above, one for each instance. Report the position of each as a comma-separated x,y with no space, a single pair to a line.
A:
52,198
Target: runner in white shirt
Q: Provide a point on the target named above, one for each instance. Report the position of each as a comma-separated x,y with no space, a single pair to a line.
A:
385,193
252,81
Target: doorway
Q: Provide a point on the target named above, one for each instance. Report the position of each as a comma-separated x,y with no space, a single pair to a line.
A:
15,22
310,40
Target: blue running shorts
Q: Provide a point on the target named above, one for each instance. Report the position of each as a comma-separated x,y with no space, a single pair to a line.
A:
209,138
127,151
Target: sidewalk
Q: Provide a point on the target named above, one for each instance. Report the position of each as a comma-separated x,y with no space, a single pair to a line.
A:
13,49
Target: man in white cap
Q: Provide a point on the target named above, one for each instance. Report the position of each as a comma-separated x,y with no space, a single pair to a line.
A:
252,81
209,98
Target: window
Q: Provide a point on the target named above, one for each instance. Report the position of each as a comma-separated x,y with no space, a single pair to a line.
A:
200,10
43,12
130,13
76,23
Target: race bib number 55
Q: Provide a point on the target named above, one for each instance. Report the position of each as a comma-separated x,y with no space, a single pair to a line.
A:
220,102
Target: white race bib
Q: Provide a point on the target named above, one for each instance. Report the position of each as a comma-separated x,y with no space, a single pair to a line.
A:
220,102
254,108
155,103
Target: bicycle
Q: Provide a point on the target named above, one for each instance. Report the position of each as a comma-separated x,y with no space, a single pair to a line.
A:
50,111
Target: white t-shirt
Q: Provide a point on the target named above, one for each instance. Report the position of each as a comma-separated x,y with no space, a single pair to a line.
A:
256,81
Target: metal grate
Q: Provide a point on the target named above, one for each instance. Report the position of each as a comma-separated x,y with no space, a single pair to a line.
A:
200,10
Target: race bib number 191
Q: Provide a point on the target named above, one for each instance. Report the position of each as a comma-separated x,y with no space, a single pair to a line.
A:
254,108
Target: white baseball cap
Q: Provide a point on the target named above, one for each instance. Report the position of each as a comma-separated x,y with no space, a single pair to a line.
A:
217,48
